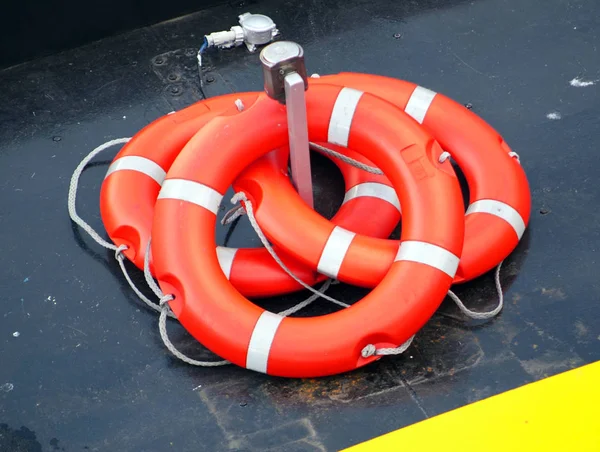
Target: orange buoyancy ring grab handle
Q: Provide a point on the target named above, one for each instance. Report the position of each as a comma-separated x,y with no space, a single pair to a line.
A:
134,178
500,200
218,316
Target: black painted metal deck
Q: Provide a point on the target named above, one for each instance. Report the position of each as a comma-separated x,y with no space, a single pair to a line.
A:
83,367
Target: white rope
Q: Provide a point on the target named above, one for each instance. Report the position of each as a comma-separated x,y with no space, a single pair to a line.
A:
121,258
232,214
241,196
444,156
308,301
370,349
482,315
162,328
73,192
71,203
237,211
162,308
166,311
515,156
151,283
346,159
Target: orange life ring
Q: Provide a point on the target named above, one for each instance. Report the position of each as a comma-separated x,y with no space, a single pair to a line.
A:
217,315
133,180
500,200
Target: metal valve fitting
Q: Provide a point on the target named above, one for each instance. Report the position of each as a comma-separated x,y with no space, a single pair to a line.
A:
253,30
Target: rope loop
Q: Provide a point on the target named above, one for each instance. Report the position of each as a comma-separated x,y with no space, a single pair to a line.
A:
232,214
482,315
165,299
515,156
346,159
444,156
119,256
368,351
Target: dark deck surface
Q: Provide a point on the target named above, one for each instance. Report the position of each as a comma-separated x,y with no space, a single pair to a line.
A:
87,370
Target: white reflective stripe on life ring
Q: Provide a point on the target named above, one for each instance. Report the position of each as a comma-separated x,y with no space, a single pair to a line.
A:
190,191
428,254
335,251
419,103
342,115
261,340
226,256
374,190
139,164
501,210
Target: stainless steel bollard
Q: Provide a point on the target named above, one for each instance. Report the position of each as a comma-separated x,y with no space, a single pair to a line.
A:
285,81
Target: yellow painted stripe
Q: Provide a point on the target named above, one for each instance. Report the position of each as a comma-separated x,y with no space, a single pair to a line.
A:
560,413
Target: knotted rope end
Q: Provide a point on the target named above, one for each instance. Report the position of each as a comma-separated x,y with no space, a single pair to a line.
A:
368,351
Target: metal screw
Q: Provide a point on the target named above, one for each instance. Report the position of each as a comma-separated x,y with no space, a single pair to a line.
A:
397,35
210,79
175,90
159,60
544,211
56,138
173,77
469,106
242,404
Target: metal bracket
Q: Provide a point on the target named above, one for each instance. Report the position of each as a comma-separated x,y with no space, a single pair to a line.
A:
286,81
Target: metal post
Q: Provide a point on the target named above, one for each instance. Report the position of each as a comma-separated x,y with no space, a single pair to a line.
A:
285,80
